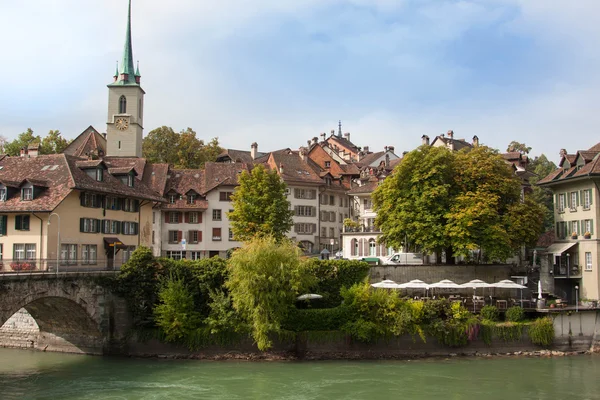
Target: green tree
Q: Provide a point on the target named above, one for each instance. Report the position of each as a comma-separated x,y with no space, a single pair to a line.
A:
266,275
520,147
23,140
541,167
412,203
175,315
260,206
183,149
53,143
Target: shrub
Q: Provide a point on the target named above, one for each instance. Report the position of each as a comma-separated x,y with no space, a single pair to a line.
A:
541,331
457,329
175,315
320,319
333,275
515,314
490,313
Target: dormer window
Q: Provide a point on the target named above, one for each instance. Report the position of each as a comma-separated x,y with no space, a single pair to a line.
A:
327,164
27,193
122,105
3,194
328,181
191,198
172,198
130,180
99,174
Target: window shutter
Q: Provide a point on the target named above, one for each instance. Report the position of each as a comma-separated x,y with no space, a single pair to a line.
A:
166,217
97,225
120,203
179,236
314,228
103,226
577,196
360,248
592,227
136,228
568,200
82,199
200,217
3,223
118,226
296,193
18,219
199,236
136,205
556,201
296,228
186,217
81,224
590,196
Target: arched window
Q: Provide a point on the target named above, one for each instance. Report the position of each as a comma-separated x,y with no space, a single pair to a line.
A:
354,247
122,105
372,245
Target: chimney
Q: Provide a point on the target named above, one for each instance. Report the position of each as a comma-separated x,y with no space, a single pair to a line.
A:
366,149
323,135
23,151
425,140
303,151
315,140
450,134
104,135
254,150
475,141
387,160
391,148
281,168
332,132
347,136
33,150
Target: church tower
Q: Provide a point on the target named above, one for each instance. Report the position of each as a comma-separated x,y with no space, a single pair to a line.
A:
125,123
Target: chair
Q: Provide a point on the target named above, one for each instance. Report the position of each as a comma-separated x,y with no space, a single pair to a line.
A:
502,304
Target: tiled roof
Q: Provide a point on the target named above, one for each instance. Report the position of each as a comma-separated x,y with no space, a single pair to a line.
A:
367,187
595,148
370,158
238,156
512,155
350,169
591,167
587,155
395,162
217,174
89,163
138,164
294,168
181,181
155,177
122,170
344,142
88,142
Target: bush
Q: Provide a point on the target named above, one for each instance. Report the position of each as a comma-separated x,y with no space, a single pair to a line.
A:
176,315
541,331
333,275
515,314
324,319
490,313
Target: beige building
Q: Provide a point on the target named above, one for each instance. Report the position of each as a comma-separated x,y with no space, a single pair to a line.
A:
573,259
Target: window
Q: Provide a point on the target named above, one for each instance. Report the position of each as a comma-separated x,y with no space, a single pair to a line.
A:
174,217
89,225
305,193
113,203
3,194
354,247
194,236
153,236
176,255
328,181
191,198
324,232
327,164
230,234
587,199
131,205
24,251
225,196
561,202
127,252
304,211
368,204
90,200
130,228
99,174
130,180
110,226
172,198
1,251
3,224
573,205
332,216
588,226
68,254
216,215
174,236
575,227
332,232
22,222
195,255
193,218
305,229
372,246
332,200
216,234
122,105
27,193
588,261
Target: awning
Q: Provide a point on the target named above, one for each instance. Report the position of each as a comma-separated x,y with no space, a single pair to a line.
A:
111,242
558,248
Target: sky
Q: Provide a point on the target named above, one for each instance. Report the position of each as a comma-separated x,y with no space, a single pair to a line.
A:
279,72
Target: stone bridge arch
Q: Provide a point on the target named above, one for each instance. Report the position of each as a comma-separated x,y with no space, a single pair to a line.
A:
73,312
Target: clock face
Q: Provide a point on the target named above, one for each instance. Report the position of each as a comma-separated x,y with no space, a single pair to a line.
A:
122,123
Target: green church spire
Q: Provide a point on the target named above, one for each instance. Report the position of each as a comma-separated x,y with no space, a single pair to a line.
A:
127,72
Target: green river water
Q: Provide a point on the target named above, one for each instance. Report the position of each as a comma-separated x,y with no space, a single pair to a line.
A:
35,375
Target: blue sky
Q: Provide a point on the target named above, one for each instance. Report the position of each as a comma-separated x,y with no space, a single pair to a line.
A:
279,72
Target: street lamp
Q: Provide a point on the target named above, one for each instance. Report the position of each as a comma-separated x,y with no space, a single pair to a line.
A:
576,298
57,239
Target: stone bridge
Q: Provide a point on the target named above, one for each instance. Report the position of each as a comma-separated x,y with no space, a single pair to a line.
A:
73,312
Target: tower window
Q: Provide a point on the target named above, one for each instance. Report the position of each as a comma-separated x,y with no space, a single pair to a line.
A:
122,105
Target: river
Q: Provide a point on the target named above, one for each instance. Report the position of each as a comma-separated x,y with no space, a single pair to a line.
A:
35,375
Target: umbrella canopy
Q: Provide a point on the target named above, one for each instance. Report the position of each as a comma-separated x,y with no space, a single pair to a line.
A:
309,296
414,284
507,284
386,284
445,284
540,289
475,283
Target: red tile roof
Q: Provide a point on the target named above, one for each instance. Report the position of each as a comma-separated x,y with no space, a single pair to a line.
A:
88,142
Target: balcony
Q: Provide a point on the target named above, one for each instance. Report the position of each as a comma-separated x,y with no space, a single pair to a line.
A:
564,271
362,229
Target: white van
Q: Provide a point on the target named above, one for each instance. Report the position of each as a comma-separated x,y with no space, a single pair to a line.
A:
404,259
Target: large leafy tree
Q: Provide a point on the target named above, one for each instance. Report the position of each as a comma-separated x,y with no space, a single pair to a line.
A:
23,140
541,167
53,143
183,149
266,275
260,206
456,201
517,146
413,202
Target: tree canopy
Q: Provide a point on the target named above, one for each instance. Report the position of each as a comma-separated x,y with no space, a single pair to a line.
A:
460,202
260,206
517,146
52,143
182,150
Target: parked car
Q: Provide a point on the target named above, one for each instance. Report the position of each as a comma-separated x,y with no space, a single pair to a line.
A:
404,259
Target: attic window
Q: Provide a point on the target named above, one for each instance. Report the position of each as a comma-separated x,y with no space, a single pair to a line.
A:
53,168
27,193
2,194
191,198
99,174
327,164
130,180
45,167
172,198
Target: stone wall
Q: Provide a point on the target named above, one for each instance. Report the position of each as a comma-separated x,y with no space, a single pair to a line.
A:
436,273
19,331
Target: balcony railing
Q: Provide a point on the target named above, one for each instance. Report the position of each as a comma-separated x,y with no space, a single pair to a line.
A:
360,229
21,266
563,271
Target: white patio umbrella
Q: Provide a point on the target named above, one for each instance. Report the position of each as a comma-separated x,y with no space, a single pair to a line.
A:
507,284
309,296
386,284
445,284
540,289
475,283
415,284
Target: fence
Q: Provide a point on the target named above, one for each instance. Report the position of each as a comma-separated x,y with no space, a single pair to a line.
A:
21,266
